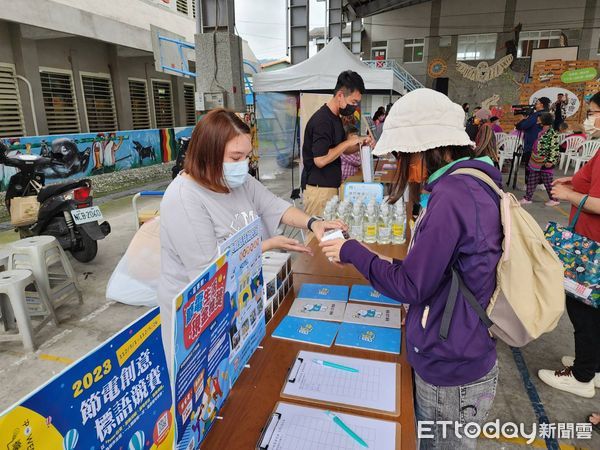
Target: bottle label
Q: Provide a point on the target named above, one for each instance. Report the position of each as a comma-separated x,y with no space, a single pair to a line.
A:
356,230
384,232
371,230
397,230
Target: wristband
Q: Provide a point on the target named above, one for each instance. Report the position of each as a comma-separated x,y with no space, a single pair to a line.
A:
312,220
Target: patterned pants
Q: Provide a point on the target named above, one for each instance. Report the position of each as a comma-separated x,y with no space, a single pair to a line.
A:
539,177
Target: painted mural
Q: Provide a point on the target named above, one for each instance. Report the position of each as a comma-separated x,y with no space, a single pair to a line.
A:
86,154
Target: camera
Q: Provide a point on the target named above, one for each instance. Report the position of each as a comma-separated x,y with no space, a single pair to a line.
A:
523,110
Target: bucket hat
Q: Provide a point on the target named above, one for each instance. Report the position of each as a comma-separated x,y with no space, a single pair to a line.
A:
421,120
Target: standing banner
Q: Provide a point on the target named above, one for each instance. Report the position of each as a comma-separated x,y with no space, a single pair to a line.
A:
117,396
201,354
218,324
245,289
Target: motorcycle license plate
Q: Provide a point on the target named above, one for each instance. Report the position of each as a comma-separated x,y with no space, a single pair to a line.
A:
85,215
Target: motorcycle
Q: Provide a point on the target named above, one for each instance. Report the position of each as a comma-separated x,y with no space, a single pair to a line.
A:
180,161
65,209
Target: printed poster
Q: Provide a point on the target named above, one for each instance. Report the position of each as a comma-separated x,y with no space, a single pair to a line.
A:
201,354
245,289
117,397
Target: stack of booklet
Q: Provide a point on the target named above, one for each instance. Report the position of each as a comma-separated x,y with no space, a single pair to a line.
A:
363,318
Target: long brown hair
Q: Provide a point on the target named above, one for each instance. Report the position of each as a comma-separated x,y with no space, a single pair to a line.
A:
486,143
432,160
204,157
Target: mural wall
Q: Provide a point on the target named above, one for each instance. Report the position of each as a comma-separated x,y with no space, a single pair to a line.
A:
85,154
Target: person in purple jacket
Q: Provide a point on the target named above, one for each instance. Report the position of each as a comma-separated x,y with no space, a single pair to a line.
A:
460,230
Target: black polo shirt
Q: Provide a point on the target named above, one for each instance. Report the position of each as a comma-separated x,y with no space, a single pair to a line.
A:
324,130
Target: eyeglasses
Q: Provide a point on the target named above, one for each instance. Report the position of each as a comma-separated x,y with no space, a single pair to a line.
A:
592,113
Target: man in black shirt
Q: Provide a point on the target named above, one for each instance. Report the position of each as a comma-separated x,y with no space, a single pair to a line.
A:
324,143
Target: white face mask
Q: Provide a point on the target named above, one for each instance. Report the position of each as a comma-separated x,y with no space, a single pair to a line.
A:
235,173
589,125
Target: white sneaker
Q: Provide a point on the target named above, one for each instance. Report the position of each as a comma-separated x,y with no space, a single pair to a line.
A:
565,381
568,361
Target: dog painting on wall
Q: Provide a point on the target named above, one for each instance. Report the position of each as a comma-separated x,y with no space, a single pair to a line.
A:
144,152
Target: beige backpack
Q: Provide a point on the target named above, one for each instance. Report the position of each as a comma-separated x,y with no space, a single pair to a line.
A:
529,298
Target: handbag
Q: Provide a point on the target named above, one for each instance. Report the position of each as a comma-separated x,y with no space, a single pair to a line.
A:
581,258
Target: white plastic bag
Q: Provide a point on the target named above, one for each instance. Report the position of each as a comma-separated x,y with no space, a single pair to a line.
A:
135,279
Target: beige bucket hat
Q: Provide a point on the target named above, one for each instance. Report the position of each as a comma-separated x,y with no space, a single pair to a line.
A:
421,120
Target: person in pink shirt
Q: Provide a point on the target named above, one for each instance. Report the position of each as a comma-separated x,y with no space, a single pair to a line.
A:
350,161
495,121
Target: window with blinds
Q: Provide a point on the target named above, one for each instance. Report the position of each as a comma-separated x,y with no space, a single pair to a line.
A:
59,102
194,9
11,114
140,110
163,103
99,103
190,105
182,6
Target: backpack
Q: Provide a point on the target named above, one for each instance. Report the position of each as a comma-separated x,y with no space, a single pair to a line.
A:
529,298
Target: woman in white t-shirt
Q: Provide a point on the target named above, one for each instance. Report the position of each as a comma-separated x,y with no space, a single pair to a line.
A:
211,199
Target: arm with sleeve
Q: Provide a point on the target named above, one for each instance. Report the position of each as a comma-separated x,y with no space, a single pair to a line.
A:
415,279
322,141
527,123
193,238
268,206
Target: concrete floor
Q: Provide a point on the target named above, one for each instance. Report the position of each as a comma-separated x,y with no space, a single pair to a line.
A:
84,327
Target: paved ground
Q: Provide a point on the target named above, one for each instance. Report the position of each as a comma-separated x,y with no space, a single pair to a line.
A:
84,327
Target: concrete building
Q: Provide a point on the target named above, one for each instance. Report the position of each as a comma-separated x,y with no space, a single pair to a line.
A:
451,35
69,66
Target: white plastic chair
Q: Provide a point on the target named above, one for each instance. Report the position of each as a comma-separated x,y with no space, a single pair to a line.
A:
572,144
588,150
500,138
562,137
510,144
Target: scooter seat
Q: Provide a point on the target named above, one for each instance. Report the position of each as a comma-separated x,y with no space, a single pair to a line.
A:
58,188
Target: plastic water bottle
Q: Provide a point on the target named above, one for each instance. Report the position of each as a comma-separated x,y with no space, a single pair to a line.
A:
384,229
328,213
334,201
370,226
399,224
356,223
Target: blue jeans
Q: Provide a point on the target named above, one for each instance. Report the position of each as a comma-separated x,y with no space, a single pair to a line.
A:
457,404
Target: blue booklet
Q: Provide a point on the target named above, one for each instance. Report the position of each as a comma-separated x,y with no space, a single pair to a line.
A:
316,332
336,292
379,339
366,293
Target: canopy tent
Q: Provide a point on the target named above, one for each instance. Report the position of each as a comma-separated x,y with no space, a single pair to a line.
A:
251,62
320,72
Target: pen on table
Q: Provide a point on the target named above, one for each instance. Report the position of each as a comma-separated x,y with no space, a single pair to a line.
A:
334,365
347,429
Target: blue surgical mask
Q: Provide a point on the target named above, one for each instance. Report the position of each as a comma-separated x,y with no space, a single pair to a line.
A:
235,173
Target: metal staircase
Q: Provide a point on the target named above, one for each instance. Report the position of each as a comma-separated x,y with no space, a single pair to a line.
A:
410,82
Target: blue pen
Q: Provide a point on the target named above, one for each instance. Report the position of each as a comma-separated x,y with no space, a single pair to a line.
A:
347,429
334,365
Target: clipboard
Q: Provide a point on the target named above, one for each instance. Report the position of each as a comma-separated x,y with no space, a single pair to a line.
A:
271,432
298,374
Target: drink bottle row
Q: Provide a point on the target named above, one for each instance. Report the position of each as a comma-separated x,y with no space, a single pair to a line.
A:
369,221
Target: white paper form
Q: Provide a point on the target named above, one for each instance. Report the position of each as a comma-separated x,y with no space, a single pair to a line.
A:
294,427
372,387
